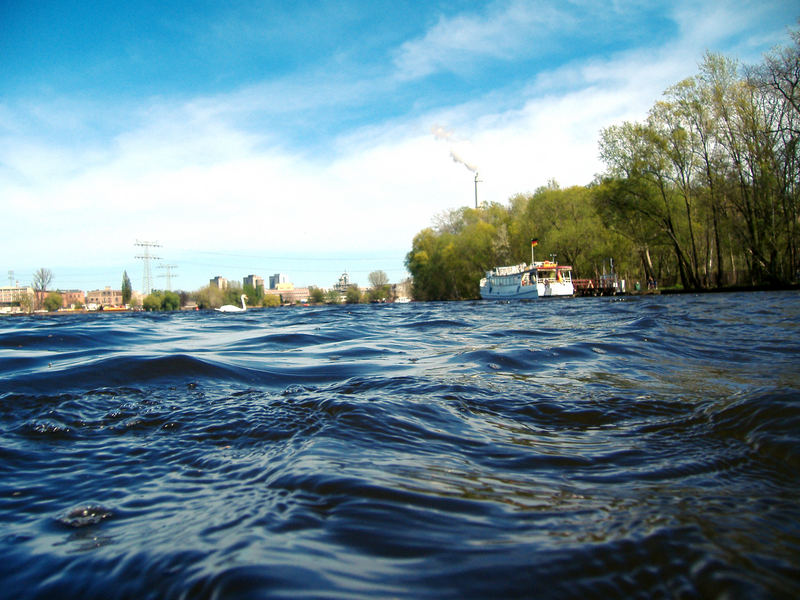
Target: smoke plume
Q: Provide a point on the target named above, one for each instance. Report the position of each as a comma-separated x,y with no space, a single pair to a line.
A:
441,133
458,159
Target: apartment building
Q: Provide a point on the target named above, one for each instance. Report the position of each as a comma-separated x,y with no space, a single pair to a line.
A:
105,297
255,281
72,298
12,296
277,280
219,282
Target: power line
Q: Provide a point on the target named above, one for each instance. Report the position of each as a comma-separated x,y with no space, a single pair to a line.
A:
147,279
301,258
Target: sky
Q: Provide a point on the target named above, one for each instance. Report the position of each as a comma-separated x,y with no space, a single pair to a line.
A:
312,138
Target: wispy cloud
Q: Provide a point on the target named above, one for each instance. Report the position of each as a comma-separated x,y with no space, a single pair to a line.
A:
506,30
310,162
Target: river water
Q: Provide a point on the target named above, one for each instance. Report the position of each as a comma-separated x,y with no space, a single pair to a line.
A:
588,447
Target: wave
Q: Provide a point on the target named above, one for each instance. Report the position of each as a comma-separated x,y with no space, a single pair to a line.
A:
566,449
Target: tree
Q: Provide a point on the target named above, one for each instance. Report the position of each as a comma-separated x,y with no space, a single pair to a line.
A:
209,297
127,289
255,294
378,279
380,285
171,301
638,157
53,301
271,300
316,295
160,300
353,295
26,302
152,302
41,279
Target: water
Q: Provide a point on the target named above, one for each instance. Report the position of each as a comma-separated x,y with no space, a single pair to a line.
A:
638,447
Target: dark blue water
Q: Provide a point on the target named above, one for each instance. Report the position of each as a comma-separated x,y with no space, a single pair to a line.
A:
639,447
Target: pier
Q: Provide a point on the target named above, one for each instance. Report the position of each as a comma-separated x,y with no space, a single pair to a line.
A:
607,287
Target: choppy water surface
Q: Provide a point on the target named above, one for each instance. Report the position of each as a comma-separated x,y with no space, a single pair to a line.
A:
579,448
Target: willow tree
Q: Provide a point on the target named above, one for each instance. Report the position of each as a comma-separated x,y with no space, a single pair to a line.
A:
778,81
570,229
690,100
447,262
638,157
616,199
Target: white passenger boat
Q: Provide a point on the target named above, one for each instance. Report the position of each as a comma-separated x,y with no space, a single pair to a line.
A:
527,282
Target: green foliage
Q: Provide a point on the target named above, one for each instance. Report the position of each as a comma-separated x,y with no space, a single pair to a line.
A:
127,289
232,294
713,175
379,293
353,295
378,279
333,297
27,302
171,301
316,295
705,192
448,263
255,296
271,300
160,300
53,301
152,302
209,297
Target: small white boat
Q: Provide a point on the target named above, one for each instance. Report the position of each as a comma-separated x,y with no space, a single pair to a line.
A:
527,282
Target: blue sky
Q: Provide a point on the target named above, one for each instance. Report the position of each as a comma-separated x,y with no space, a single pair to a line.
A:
312,138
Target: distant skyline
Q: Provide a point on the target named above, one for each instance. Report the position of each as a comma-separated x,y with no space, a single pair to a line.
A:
314,138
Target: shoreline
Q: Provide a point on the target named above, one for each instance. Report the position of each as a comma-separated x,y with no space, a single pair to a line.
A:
656,292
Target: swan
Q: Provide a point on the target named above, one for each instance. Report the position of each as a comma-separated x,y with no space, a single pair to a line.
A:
232,308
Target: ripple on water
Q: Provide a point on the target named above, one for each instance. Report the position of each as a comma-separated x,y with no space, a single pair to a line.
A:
583,448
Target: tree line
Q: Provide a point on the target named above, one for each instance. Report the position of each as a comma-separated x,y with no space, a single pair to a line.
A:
210,296
704,193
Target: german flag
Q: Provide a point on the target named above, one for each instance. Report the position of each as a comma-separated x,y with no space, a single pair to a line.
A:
534,242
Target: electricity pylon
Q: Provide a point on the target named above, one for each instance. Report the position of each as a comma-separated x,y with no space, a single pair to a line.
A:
147,279
168,274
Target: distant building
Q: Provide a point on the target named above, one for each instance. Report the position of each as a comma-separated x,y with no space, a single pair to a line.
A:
12,296
276,280
343,283
219,282
402,289
254,281
288,294
72,298
106,297
294,295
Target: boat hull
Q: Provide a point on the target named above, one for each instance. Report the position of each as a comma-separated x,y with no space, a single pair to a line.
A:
526,292
509,292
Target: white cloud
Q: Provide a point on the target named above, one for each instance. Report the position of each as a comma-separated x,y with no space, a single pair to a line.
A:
198,175
507,30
